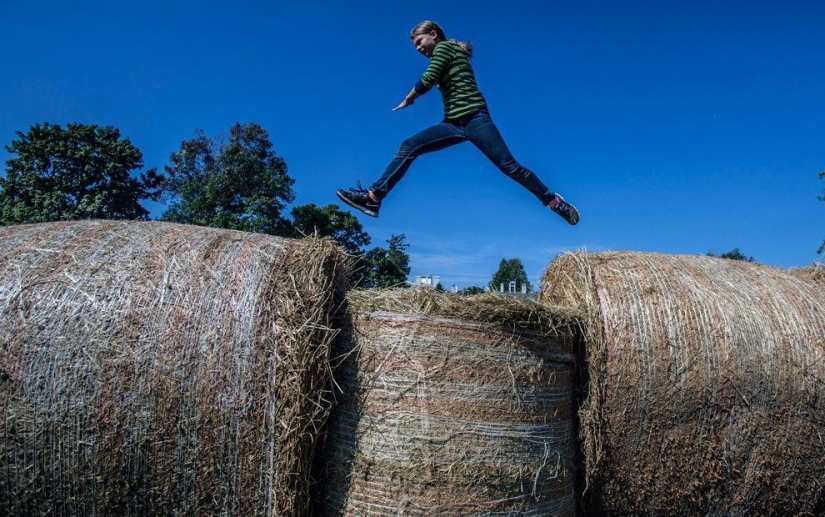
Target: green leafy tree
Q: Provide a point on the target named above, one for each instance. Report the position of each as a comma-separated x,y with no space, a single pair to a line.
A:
822,198
474,289
509,270
239,184
329,221
387,267
733,254
80,172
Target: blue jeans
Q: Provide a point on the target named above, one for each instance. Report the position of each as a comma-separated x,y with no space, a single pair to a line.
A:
479,129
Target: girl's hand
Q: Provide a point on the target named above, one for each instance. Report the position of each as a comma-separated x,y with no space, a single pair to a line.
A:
404,104
408,100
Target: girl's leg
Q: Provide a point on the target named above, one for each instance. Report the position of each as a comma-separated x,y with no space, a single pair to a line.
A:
433,138
484,134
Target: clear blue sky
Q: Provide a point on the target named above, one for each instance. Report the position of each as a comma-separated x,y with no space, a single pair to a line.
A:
675,127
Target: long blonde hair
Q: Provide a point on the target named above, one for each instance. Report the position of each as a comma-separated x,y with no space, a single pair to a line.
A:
428,26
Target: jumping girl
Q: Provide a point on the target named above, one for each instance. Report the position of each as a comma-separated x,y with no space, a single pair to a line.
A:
465,118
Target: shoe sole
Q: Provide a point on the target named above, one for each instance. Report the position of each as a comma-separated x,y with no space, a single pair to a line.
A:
360,208
575,220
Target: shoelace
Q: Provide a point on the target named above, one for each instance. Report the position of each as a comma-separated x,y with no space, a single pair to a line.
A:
360,190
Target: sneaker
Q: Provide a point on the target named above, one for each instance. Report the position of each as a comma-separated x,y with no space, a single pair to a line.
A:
564,209
359,198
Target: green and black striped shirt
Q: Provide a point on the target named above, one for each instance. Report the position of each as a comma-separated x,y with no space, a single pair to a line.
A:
451,72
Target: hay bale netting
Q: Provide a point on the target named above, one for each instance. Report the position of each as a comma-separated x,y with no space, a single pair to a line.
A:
452,405
706,384
161,369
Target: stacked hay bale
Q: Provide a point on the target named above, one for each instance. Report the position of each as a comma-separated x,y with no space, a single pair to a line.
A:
161,369
706,388
452,405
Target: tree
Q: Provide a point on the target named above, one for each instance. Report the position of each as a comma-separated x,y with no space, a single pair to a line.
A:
80,172
474,289
329,221
733,254
240,184
509,270
387,267
822,198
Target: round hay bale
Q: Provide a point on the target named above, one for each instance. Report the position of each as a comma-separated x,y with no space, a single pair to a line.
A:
706,384
452,405
160,369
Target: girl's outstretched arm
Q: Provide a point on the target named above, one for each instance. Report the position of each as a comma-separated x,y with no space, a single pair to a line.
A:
443,55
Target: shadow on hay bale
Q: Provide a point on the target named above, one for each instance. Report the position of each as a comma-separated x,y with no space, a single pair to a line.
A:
707,383
161,369
452,405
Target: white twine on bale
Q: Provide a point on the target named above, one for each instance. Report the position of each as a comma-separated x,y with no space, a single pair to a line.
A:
555,474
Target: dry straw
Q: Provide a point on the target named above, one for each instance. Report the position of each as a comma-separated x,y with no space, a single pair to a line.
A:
452,405
816,272
706,388
161,369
